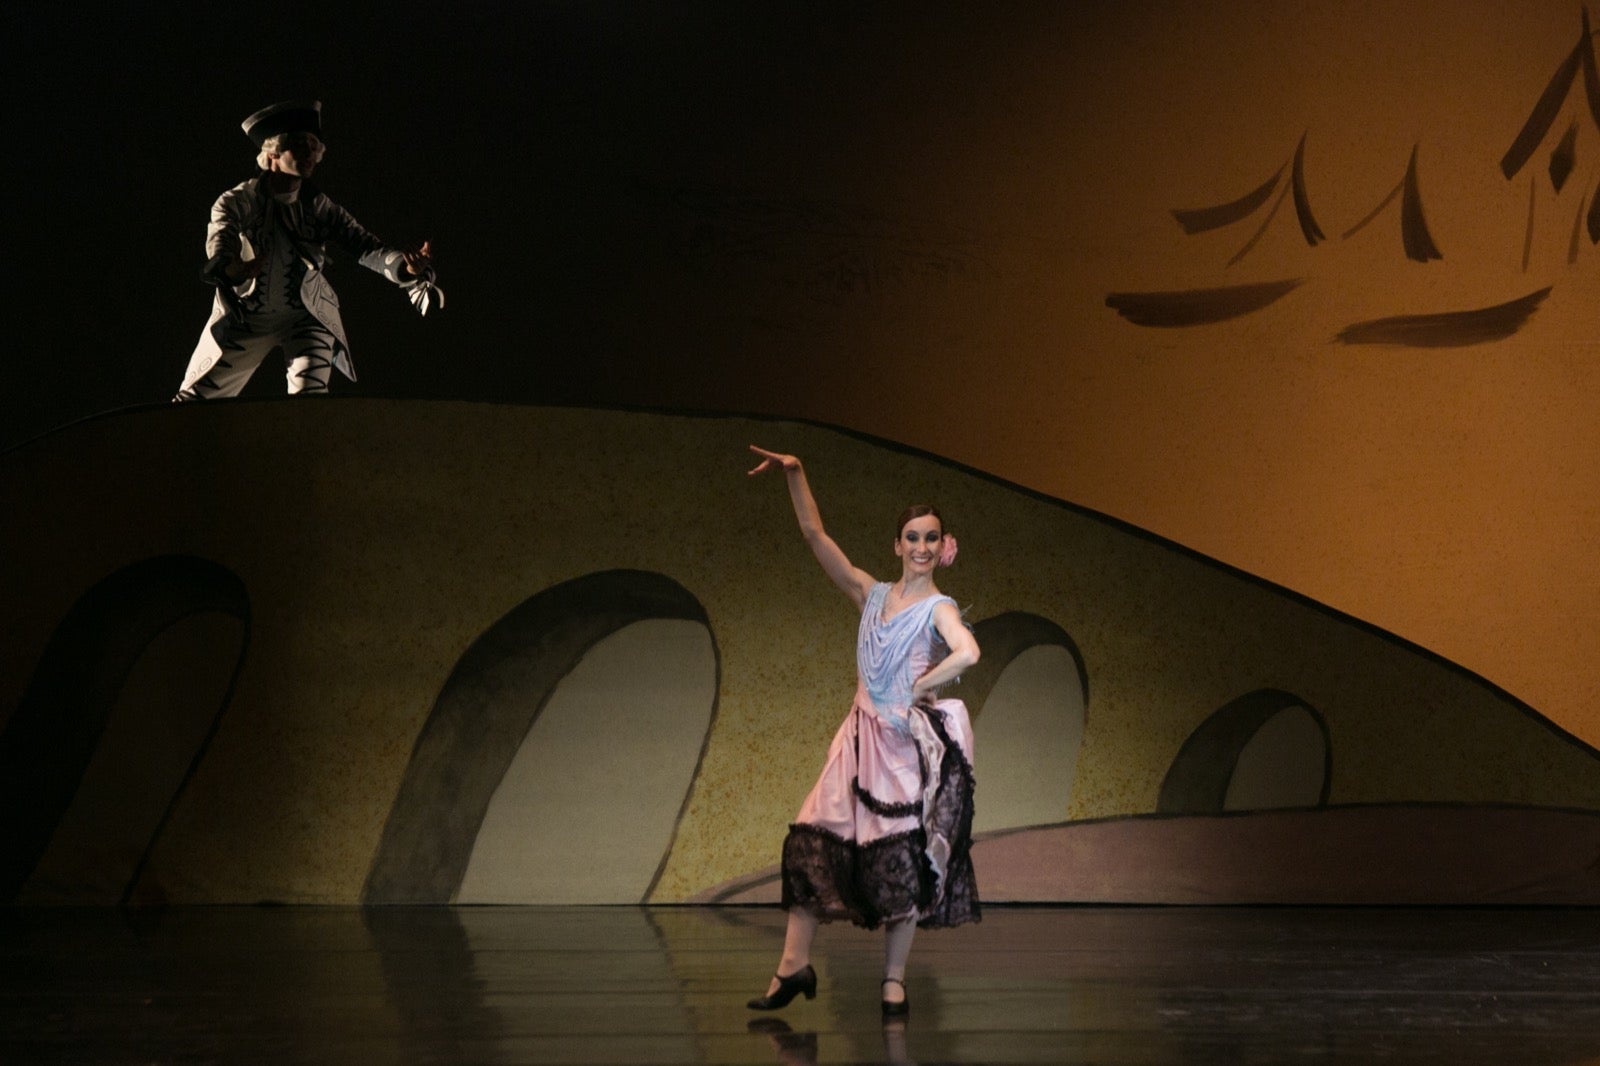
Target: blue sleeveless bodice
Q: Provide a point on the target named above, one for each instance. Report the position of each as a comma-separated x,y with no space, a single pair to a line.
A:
891,655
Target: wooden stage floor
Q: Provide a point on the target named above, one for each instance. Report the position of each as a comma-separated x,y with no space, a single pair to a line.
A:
282,985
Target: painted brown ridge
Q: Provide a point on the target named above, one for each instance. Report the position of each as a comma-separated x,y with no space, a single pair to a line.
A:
1419,854
1432,854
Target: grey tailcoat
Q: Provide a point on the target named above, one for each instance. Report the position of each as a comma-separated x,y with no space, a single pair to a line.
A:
242,223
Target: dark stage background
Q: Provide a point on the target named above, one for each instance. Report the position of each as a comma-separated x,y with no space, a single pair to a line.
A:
505,133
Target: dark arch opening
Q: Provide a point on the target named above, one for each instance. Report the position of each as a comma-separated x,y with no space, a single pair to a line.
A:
1197,781
1003,638
49,740
1032,740
491,700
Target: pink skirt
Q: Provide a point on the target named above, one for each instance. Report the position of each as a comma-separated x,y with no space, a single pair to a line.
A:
886,832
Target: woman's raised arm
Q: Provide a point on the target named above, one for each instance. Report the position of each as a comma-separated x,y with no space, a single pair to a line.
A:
854,582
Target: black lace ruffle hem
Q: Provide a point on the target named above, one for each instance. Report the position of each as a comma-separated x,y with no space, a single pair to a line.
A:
890,878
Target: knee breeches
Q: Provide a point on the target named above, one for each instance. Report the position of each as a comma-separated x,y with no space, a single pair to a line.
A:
308,350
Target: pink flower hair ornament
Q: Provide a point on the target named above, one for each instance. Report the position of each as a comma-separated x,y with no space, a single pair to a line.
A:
947,550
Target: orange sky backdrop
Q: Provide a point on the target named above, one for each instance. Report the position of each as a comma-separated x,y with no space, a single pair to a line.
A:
942,283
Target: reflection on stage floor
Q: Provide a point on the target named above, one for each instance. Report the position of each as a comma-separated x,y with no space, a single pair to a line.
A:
508,985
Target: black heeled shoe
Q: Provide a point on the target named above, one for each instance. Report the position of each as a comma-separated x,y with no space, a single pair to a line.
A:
788,987
900,1009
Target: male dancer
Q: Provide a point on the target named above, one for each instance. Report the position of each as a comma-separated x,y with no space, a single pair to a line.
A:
266,250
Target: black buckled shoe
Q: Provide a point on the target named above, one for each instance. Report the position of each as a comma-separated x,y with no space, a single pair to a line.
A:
788,987
901,1008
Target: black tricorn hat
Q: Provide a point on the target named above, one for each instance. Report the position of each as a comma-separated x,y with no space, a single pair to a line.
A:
290,116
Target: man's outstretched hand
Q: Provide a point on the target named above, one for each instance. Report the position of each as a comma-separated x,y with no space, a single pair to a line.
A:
420,261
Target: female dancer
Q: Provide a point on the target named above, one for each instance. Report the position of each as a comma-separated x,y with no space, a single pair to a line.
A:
883,837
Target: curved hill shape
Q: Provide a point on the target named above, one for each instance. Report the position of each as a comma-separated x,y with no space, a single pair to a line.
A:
402,562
